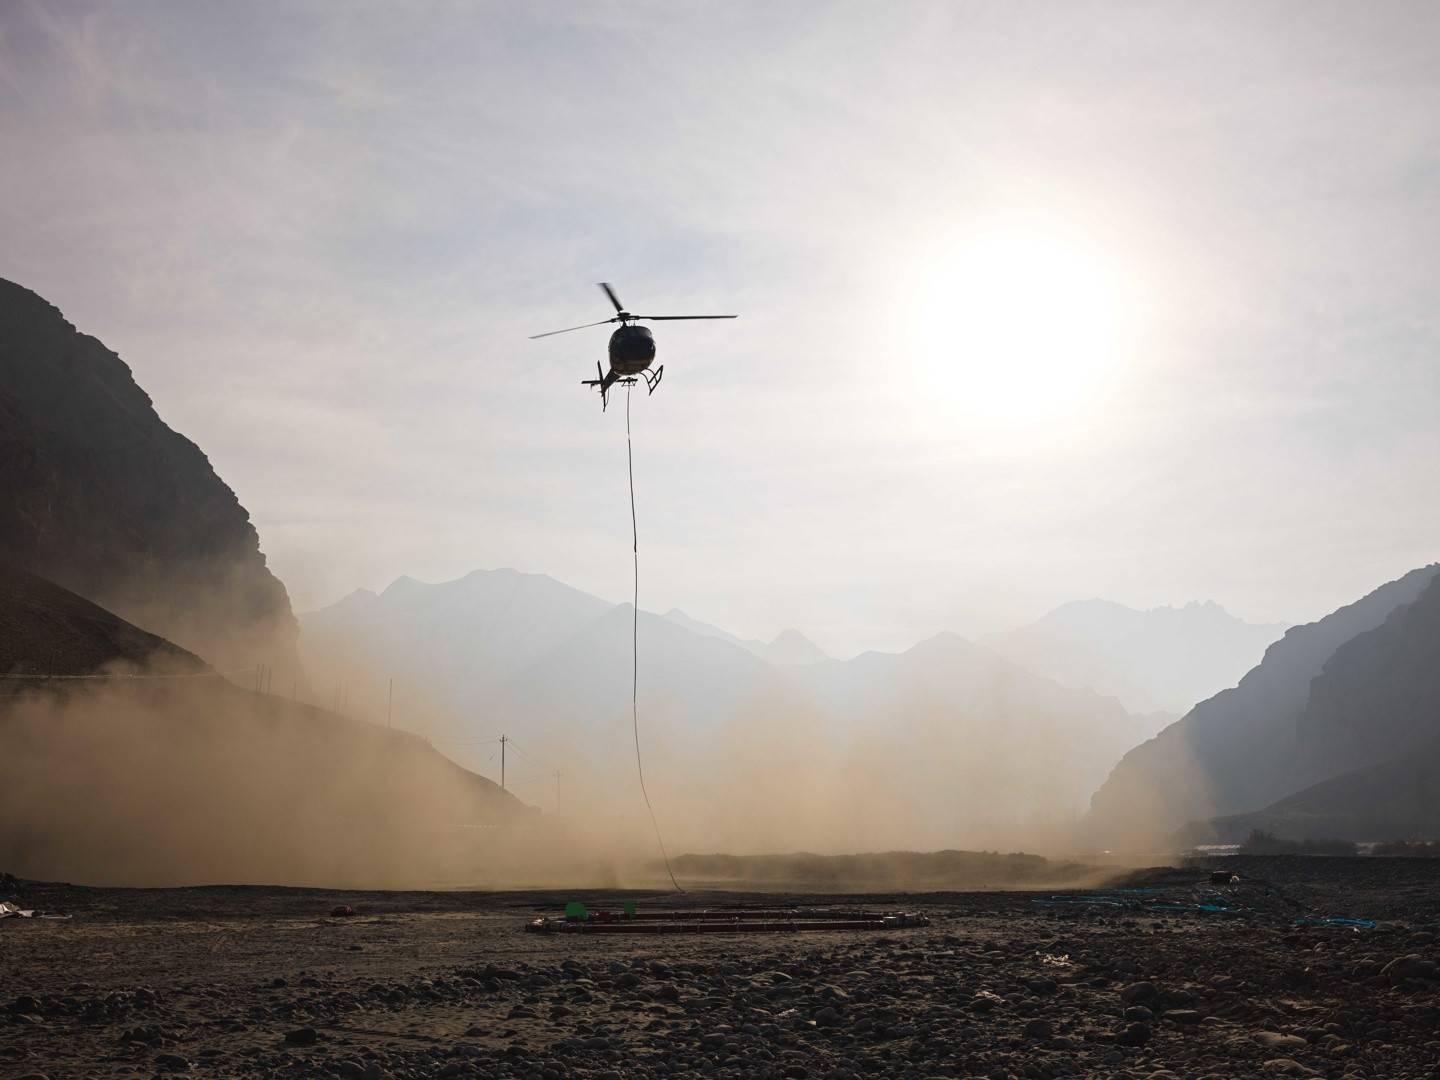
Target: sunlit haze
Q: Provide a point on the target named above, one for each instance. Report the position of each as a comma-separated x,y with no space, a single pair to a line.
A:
1018,330
1037,302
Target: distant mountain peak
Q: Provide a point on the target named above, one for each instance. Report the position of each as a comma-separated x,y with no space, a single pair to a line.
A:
790,648
1161,659
789,634
1096,604
359,597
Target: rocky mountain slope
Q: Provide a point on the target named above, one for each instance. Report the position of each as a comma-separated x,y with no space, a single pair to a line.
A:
1396,799
1248,747
187,778
104,499
1377,697
47,630
1367,760
1163,660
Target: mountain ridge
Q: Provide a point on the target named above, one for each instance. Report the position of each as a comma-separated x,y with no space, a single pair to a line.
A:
719,714
142,765
1233,753
1160,659
108,501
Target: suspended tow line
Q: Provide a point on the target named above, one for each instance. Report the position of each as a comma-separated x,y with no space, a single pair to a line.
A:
635,640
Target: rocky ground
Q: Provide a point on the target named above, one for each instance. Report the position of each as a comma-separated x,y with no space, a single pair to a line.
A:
265,982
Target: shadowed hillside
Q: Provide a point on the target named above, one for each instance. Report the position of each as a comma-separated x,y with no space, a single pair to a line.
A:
105,499
1242,749
166,773
1367,758
47,630
1377,696
1398,798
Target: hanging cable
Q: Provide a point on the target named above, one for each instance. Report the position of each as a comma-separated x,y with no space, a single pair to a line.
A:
635,643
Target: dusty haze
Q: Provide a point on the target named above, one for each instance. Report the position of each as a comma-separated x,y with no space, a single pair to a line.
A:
194,781
1037,304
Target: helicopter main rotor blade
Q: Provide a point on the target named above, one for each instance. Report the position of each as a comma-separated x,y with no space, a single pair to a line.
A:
669,318
552,333
611,294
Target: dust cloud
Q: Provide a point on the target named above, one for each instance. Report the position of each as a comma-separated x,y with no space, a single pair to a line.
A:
189,779
192,780
780,779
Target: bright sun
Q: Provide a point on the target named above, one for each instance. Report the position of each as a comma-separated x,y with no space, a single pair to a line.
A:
1013,328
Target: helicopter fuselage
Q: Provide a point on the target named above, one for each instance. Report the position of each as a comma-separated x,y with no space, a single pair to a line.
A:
632,348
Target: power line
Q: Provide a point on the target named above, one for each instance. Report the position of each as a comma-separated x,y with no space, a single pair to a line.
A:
522,753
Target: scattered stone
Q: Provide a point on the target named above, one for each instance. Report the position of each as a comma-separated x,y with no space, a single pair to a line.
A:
1413,966
1137,1034
1286,1067
1140,993
305,1036
1275,1040
985,1001
1038,1030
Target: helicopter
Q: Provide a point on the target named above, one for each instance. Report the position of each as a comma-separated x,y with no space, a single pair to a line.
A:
632,348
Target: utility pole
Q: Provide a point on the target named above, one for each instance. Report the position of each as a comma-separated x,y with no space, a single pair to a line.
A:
503,740
389,702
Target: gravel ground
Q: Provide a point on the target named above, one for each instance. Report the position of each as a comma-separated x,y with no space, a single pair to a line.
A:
251,981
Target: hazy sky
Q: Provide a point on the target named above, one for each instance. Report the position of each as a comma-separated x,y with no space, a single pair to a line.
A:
1039,301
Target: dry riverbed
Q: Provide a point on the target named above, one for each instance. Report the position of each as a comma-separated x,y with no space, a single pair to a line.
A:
250,981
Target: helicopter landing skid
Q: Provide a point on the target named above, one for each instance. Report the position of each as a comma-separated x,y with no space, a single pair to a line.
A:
651,382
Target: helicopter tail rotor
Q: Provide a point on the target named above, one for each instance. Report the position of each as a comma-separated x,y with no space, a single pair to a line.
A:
599,381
